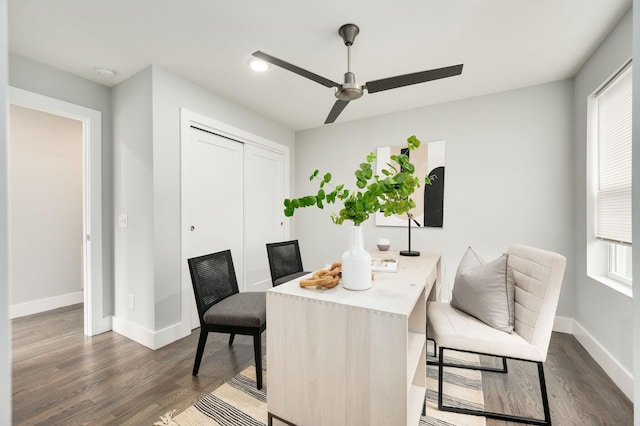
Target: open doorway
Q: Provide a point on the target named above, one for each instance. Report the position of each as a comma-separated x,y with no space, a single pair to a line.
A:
45,211
89,245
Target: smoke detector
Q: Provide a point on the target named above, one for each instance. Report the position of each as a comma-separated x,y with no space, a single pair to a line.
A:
104,72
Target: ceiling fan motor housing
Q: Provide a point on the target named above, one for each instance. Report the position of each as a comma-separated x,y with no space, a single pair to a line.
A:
350,90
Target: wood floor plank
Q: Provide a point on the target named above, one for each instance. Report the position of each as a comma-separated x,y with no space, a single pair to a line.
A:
62,377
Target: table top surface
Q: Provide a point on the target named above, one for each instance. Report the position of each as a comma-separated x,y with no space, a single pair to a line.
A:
390,292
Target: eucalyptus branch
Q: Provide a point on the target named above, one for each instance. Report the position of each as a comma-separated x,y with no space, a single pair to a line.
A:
389,194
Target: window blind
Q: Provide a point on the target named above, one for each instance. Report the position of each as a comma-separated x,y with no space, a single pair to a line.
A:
613,195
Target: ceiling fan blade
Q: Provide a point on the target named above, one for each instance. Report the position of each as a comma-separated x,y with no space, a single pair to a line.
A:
415,78
335,111
290,67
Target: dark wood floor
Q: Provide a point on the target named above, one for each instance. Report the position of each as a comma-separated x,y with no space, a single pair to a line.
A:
61,377
579,391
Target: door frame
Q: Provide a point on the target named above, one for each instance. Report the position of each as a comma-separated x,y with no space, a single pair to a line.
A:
95,322
189,119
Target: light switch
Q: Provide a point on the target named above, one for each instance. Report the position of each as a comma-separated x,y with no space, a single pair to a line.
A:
123,221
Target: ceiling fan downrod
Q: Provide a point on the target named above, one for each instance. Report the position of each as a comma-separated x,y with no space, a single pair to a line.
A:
349,90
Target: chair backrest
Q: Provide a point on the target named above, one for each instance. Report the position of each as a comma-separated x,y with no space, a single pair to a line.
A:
538,277
284,259
214,279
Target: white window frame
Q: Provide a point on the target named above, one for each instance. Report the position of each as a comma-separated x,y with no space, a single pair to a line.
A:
616,252
602,254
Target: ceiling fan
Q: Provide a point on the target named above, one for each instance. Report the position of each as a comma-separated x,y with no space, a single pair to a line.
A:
350,90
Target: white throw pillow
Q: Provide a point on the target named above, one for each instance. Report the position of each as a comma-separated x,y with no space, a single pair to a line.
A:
485,290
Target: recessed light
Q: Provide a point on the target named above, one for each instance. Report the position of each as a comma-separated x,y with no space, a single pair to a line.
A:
257,65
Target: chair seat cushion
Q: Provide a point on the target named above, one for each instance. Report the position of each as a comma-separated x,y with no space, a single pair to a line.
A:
289,277
452,328
240,310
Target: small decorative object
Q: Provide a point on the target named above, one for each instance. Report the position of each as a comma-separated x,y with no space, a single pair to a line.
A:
384,265
383,244
388,193
327,278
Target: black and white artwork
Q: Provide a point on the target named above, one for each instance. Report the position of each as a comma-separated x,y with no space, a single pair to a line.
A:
429,199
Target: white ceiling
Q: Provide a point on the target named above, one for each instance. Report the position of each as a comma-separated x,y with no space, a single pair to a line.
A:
504,44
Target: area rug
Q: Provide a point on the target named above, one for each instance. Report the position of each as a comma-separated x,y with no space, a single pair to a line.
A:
238,403
461,388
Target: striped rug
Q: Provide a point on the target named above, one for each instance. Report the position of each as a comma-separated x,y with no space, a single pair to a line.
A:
461,388
238,403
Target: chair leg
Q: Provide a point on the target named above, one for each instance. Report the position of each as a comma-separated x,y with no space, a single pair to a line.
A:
503,370
545,398
489,414
440,376
257,349
435,352
231,338
201,342
435,347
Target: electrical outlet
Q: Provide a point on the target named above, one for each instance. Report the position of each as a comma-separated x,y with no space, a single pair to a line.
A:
132,301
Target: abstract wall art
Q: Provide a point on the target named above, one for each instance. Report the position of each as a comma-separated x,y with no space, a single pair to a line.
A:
429,199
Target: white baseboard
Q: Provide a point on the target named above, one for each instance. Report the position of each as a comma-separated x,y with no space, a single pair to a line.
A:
152,340
563,325
42,305
620,376
170,335
133,331
102,325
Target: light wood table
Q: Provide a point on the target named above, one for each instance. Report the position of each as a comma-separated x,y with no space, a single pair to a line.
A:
340,357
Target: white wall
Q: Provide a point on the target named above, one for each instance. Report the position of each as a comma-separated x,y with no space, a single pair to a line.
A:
509,177
170,93
133,188
604,315
147,135
636,208
5,331
46,80
45,208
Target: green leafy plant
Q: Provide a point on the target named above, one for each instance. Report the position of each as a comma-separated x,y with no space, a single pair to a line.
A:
389,193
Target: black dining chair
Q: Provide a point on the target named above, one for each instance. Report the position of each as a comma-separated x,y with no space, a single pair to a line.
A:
285,262
223,309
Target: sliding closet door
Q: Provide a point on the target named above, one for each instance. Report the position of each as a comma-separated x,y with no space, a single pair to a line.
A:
212,199
264,217
232,195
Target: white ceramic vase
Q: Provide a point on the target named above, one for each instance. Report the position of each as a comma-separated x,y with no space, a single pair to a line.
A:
356,262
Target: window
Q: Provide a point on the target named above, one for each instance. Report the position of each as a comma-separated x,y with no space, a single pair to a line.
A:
620,263
612,120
